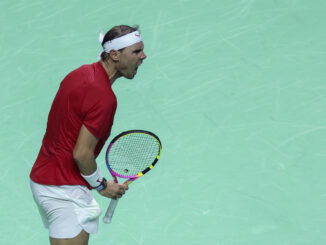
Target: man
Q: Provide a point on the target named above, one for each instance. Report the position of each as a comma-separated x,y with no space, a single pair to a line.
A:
79,123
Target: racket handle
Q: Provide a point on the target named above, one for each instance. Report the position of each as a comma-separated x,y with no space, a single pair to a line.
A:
109,213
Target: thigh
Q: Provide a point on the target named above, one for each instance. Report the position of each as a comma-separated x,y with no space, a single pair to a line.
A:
80,239
57,211
66,210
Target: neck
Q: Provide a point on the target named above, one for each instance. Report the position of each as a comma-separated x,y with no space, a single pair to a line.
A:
110,69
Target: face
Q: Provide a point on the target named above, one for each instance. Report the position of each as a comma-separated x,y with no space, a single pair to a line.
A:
130,59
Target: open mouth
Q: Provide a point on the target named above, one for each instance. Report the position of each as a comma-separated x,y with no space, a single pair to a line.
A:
137,67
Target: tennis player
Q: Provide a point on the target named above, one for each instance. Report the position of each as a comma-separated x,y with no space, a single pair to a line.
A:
79,123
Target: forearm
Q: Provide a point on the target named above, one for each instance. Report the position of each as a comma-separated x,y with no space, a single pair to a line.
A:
85,162
84,157
88,170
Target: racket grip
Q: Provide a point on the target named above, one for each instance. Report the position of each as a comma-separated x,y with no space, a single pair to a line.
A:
109,212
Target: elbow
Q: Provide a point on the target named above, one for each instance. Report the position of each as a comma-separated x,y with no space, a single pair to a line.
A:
85,160
76,155
81,156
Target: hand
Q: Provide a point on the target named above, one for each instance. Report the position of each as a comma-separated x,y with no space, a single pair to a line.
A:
114,190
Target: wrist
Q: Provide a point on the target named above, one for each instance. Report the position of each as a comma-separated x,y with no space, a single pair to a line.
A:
95,179
102,185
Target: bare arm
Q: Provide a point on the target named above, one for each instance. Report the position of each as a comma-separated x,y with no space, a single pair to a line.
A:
84,151
85,160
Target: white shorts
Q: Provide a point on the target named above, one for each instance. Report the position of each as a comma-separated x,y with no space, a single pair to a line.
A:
66,210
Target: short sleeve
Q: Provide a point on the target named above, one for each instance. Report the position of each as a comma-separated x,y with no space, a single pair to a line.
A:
98,112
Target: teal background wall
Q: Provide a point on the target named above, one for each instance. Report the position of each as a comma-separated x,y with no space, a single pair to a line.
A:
235,90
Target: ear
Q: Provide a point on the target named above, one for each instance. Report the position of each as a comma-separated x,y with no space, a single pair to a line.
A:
115,55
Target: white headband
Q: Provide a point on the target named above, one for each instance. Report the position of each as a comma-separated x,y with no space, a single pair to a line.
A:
120,42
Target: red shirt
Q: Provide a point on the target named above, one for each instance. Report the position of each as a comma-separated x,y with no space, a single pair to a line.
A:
85,98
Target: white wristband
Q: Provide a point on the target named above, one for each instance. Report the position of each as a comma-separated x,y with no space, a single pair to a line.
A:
95,179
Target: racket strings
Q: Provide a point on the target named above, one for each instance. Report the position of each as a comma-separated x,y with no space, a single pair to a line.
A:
133,153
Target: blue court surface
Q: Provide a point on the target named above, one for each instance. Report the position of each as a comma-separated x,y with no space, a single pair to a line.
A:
235,89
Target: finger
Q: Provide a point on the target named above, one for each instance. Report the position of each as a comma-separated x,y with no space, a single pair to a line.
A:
123,188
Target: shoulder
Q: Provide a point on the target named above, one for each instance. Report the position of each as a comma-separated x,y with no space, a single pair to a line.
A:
98,96
84,72
88,82
77,79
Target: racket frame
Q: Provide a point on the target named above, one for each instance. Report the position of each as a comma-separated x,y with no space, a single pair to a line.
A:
110,211
131,178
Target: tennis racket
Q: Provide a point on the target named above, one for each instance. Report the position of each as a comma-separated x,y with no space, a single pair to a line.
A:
130,155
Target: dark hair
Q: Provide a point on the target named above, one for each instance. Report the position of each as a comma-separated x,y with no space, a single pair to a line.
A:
115,32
